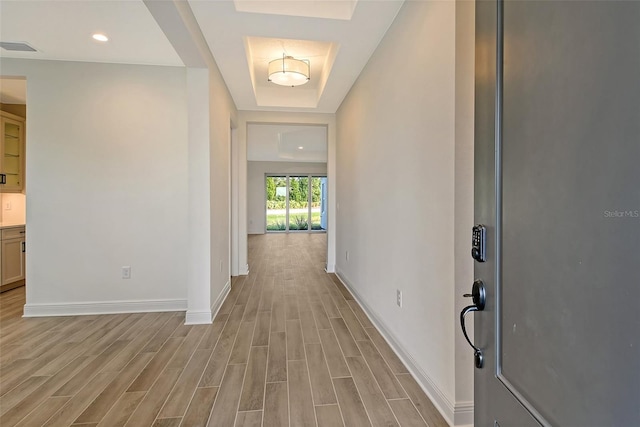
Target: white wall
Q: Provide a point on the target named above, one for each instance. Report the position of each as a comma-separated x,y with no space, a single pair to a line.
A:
399,146
256,194
211,116
107,185
222,118
247,117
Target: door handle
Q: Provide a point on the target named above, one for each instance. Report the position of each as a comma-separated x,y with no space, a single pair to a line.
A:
478,295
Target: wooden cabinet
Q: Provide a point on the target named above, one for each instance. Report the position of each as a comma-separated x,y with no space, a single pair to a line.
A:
12,256
11,153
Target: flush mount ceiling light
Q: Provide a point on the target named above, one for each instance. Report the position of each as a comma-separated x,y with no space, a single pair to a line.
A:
100,37
288,71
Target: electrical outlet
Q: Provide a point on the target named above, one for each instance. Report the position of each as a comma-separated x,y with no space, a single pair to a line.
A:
399,297
126,272
7,206
346,255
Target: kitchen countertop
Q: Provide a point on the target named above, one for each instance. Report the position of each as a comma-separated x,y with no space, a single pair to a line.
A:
4,225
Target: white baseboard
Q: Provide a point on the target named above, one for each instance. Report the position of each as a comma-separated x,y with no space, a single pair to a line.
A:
197,317
111,307
330,268
244,271
207,316
215,307
457,414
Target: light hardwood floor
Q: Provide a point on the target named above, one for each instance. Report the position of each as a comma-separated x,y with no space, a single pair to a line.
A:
289,347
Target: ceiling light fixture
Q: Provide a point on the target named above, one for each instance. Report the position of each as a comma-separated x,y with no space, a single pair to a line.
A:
100,37
300,148
288,71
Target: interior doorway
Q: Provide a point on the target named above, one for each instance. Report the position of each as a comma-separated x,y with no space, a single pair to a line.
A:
296,203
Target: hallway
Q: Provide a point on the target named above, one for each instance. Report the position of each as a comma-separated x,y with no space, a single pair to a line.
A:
289,347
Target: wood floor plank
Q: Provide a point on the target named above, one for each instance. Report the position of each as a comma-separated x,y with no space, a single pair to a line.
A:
243,296
90,370
322,321
300,400
251,309
351,405
261,332
252,397
200,407
266,300
240,351
374,401
226,405
394,362
329,416
76,405
182,392
295,342
340,286
333,354
122,410
406,413
291,307
278,314
137,344
360,314
114,334
249,419
148,320
9,400
43,412
213,332
150,373
308,323
347,343
277,364
187,348
39,395
421,401
105,400
388,382
160,338
212,376
335,294
329,306
321,384
167,422
150,406
353,324
276,405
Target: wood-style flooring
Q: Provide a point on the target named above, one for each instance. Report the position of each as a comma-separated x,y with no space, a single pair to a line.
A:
289,347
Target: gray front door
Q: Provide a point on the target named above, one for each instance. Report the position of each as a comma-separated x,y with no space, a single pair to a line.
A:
558,188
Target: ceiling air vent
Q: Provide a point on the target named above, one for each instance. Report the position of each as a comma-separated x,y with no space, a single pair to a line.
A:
17,46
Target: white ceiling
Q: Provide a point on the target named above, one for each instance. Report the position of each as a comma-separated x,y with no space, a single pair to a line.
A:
286,143
352,43
337,36
62,29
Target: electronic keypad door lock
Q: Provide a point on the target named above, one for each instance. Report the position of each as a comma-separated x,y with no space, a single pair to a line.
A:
479,243
478,294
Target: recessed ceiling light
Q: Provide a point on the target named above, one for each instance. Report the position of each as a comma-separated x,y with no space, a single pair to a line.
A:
300,148
100,37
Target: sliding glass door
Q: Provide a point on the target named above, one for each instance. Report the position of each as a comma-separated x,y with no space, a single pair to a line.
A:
296,203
